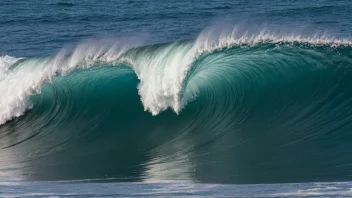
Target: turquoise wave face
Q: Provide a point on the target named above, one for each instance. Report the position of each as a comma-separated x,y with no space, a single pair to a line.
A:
246,110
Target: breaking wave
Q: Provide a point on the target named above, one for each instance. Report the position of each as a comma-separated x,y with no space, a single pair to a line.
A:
244,105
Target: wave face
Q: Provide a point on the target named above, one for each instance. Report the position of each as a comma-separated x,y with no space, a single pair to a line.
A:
235,109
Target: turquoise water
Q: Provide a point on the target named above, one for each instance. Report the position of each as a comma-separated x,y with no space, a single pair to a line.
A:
250,99
172,189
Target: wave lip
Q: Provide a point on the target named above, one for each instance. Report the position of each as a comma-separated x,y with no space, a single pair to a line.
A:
161,69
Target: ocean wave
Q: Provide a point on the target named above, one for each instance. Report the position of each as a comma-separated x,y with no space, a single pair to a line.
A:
160,68
235,98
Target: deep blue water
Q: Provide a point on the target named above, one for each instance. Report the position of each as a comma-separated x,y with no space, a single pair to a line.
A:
175,98
31,28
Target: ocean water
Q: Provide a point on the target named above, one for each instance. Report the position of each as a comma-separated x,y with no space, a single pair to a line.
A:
175,98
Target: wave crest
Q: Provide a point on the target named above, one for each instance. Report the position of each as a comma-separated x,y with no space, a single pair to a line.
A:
163,69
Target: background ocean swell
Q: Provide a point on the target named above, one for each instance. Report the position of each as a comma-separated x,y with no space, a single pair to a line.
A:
245,109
